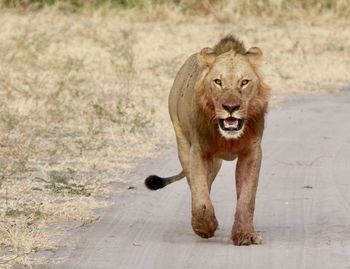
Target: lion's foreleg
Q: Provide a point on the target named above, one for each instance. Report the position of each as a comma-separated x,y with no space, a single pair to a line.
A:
204,222
216,165
247,176
183,147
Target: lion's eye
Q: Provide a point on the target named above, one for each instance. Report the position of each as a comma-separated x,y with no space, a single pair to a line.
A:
218,82
244,82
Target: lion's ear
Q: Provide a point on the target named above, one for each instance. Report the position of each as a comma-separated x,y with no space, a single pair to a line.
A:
206,57
255,55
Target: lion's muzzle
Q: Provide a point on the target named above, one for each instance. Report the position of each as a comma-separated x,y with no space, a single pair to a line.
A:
231,124
231,108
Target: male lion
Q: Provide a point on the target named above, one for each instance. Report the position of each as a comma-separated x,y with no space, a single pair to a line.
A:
217,106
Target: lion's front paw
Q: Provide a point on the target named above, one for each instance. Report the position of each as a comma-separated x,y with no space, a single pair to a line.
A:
204,222
246,238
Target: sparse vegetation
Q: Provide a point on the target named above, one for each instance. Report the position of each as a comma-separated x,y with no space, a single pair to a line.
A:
69,105
221,10
78,92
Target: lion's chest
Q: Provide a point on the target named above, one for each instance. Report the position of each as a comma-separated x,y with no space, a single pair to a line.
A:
225,149
226,156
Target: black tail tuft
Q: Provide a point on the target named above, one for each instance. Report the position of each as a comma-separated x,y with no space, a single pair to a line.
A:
154,182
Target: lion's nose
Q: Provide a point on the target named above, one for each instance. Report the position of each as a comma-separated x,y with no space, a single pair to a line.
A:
231,108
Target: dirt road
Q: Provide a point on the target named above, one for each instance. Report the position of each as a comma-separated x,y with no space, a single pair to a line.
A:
303,204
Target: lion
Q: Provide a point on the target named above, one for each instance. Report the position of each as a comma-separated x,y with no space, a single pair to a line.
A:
217,106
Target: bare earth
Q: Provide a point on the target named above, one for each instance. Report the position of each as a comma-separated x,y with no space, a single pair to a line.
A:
302,208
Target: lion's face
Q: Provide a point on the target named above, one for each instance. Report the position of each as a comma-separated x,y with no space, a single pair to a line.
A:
229,86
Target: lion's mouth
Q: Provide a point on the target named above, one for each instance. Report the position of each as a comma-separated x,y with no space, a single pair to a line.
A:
231,124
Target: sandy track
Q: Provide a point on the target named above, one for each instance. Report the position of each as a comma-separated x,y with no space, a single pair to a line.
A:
303,204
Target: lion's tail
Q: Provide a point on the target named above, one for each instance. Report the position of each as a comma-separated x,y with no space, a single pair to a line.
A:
154,182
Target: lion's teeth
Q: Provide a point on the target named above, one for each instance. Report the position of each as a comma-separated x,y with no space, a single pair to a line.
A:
229,125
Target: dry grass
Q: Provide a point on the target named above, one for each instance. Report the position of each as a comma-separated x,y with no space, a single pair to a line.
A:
83,97
277,11
72,118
